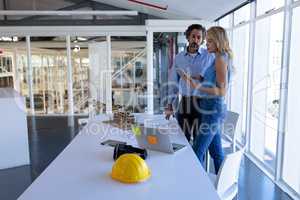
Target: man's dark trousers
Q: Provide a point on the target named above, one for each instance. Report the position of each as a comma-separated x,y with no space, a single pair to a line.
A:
188,115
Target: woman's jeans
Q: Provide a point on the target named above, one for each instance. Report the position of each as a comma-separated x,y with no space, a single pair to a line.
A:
209,136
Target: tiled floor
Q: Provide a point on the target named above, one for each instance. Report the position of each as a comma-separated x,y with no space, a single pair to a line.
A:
51,135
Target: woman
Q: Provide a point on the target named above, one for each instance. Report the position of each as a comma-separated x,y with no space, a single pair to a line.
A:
214,85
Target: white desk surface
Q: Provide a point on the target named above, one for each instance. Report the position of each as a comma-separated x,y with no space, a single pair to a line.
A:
82,171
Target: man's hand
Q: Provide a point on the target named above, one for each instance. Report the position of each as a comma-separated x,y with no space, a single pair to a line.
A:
189,80
198,77
169,111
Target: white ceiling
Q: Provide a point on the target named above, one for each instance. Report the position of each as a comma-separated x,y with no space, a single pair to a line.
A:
207,10
181,9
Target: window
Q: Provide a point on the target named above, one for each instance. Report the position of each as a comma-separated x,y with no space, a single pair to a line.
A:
239,79
242,14
264,6
291,162
225,22
266,88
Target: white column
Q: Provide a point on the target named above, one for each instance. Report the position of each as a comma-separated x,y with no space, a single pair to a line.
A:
29,75
150,72
15,70
134,91
250,75
285,62
121,77
43,82
229,93
82,99
50,86
108,79
70,78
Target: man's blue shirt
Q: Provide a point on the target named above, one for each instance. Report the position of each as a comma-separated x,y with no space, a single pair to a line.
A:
194,65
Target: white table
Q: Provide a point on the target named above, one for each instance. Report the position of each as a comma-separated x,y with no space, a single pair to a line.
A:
82,171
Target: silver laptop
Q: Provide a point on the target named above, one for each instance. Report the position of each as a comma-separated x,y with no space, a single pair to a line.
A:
153,139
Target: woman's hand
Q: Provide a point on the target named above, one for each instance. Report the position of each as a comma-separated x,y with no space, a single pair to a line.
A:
189,80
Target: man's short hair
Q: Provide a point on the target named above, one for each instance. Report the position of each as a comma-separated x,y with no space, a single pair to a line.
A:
195,26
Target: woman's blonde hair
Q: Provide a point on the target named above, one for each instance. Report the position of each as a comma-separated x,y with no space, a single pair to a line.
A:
220,38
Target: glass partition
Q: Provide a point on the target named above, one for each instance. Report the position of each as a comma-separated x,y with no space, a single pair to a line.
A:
129,73
80,57
49,71
8,54
13,65
165,46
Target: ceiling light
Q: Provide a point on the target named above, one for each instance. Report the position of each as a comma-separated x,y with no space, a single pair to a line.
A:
15,39
76,48
6,39
82,39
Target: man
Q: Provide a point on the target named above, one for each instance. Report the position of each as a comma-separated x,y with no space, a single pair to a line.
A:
194,61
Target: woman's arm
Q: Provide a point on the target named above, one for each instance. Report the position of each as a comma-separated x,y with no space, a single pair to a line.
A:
221,76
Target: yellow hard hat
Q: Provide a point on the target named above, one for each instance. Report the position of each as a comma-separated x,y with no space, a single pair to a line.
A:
130,168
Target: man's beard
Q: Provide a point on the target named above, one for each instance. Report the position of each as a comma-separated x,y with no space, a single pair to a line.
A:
194,45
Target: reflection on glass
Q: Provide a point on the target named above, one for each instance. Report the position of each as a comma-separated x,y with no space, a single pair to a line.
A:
266,88
291,162
239,79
